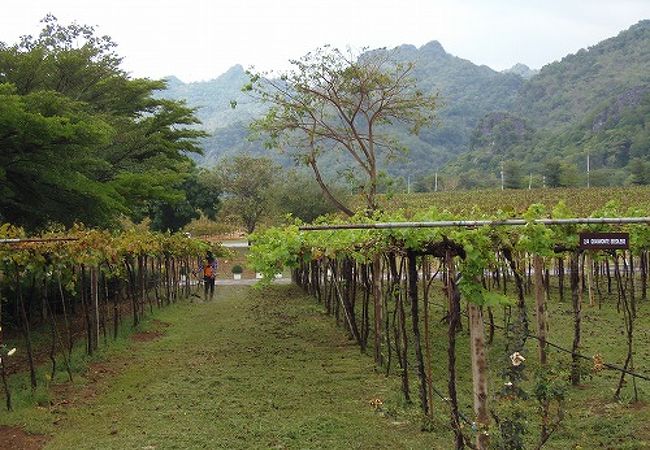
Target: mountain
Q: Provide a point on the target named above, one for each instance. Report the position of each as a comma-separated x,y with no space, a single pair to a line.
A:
528,123
594,102
522,70
566,90
467,92
213,98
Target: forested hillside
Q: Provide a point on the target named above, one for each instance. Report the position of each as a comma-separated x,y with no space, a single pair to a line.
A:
536,126
466,93
596,103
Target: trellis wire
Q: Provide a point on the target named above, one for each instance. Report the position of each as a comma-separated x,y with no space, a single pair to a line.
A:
562,349
477,223
579,355
35,240
494,223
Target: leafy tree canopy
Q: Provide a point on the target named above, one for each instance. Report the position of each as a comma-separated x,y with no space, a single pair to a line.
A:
249,186
331,102
80,139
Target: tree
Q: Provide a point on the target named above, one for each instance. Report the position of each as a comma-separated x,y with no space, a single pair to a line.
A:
639,171
512,174
81,141
332,102
201,194
569,175
47,141
551,173
248,184
299,195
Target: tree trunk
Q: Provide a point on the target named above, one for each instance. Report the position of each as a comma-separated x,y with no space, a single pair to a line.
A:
26,330
427,335
3,371
577,317
589,267
415,316
132,291
609,276
94,280
644,275
53,334
377,303
632,286
629,330
454,318
479,375
560,277
399,322
540,304
521,326
347,211
5,385
85,309
65,317
56,336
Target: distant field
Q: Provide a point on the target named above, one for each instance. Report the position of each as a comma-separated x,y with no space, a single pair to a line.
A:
582,201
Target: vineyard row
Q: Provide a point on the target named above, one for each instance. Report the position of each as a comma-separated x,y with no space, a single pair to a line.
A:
379,282
81,286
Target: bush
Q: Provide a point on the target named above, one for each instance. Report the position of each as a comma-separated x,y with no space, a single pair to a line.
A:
237,269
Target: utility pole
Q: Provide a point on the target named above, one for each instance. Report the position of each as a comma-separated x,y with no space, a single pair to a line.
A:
530,181
408,184
588,180
502,183
435,187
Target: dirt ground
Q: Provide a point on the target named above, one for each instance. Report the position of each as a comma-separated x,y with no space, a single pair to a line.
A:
12,438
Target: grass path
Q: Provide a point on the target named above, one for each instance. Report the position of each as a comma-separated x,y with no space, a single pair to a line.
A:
247,370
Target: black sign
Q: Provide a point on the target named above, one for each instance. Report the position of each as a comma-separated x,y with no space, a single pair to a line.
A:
605,241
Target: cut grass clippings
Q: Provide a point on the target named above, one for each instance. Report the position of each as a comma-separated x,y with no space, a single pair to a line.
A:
251,369
269,369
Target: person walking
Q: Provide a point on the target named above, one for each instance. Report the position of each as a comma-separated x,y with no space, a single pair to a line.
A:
209,269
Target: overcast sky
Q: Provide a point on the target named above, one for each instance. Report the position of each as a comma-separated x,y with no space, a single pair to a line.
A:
200,39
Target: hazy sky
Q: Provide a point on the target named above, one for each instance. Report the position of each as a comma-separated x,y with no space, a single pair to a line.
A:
200,39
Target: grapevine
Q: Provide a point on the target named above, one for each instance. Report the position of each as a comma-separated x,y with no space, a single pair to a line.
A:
475,263
87,272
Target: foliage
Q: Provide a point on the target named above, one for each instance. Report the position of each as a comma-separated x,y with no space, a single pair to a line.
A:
90,247
249,187
319,253
332,103
278,248
299,195
594,103
82,141
466,92
273,250
514,203
202,195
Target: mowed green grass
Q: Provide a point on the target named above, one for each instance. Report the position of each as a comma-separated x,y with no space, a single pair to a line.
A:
594,419
268,369
251,369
